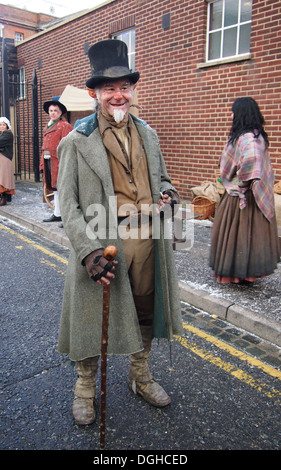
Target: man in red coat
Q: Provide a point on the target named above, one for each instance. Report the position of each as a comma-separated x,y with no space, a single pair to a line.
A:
54,131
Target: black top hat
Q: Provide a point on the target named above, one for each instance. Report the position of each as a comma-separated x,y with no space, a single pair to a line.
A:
109,61
47,104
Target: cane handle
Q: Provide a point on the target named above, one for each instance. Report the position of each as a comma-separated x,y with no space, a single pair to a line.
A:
110,252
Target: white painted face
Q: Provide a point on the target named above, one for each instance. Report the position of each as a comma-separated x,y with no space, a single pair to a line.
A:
115,96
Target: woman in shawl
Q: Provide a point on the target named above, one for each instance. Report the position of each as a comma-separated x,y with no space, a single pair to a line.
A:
244,243
7,179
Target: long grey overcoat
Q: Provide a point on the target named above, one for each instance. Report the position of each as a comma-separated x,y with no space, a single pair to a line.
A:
85,180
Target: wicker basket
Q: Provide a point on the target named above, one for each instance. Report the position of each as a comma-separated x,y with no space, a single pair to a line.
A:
277,187
203,206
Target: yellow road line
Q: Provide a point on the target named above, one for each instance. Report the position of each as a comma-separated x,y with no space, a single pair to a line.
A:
234,352
53,266
35,245
232,370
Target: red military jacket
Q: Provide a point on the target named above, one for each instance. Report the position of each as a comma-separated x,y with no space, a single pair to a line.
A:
51,138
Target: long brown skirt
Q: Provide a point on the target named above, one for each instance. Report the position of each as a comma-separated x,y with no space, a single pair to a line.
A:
244,243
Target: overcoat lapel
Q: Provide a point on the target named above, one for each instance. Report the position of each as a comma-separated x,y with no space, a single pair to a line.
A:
93,151
50,129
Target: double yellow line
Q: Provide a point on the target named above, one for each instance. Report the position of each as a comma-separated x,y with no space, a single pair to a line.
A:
207,356
227,366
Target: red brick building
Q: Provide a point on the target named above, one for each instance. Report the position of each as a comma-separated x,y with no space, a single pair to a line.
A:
19,24
194,56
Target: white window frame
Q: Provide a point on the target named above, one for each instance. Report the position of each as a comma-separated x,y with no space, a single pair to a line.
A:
131,50
22,83
18,37
223,29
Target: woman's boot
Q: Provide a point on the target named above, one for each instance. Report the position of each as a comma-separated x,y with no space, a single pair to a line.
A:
85,391
3,200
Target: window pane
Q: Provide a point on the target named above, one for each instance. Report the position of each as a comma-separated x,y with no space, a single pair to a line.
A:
246,10
244,39
132,50
129,37
214,45
22,74
22,82
125,37
231,12
216,15
133,40
229,42
132,62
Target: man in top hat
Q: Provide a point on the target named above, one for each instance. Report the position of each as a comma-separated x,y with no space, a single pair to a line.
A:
112,164
53,132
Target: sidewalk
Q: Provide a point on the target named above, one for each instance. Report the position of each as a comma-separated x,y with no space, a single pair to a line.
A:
255,308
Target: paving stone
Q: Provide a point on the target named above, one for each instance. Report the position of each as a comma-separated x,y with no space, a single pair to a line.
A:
252,339
234,331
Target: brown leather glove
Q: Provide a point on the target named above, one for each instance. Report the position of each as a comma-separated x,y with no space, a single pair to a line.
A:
97,265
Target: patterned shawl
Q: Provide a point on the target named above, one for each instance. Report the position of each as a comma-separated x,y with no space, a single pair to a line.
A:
244,162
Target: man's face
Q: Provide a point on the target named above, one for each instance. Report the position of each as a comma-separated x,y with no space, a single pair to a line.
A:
54,112
116,95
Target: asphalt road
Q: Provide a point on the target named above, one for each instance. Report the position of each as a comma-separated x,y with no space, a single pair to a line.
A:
222,399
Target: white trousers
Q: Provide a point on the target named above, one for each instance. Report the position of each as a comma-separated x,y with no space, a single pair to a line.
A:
57,212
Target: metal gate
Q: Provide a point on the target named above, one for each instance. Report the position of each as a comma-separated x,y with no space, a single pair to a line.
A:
21,103
27,126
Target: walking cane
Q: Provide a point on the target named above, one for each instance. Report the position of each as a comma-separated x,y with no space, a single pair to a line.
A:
109,253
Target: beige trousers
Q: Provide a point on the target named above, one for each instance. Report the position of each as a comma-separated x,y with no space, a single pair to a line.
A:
139,255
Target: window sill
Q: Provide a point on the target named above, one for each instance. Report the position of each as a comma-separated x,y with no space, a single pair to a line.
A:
226,60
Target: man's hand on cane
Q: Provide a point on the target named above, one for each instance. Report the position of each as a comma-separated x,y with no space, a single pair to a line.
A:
99,268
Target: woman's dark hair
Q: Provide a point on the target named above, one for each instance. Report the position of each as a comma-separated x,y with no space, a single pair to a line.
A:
246,118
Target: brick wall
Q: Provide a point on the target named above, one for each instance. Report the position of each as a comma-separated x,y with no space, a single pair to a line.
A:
189,106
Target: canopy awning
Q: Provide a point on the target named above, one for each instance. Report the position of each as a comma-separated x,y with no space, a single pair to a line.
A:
75,99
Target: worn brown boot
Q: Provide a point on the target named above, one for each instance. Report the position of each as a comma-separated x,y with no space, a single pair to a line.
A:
140,379
85,391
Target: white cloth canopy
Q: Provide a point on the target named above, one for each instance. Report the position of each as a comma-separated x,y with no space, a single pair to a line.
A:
75,99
